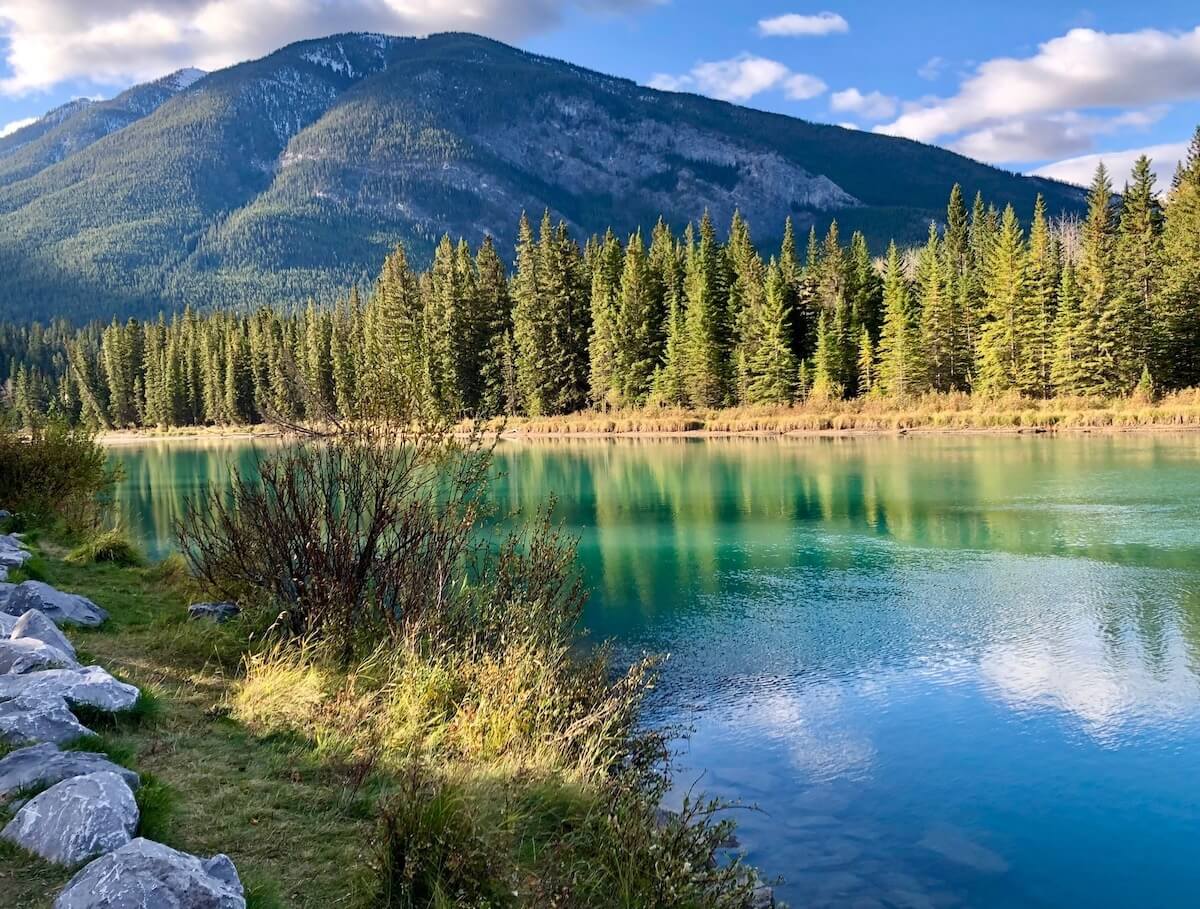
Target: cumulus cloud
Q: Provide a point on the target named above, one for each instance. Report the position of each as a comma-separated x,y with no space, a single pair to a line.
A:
872,105
1050,136
1079,170
802,86
1083,69
114,41
796,25
740,79
9,128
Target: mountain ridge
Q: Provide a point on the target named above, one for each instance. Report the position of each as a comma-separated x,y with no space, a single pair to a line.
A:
291,175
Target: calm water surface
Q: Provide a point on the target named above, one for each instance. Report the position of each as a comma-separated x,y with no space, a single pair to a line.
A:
950,671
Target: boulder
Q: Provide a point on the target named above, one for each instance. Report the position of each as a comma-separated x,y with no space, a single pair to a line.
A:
30,719
90,687
218,612
30,655
77,819
5,514
146,875
13,553
34,624
44,765
7,624
61,608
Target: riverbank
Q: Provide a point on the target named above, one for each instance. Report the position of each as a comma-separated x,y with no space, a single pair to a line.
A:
298,831
310,777
947,413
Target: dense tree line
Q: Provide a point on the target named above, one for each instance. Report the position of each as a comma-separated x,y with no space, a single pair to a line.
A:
988,304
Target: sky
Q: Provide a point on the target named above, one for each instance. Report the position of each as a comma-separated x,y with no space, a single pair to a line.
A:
1039,87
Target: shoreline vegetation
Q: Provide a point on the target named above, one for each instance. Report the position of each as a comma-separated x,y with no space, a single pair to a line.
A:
934,413
994,322
403,711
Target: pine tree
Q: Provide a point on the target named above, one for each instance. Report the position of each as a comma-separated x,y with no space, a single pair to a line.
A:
1000,356
1041,287
497,384
769,366
868,372
962,288
864,287
343,354
901,370
1098,317
827,366
603,342
707,359
1179,292
394,333
638,316
939,328
669,385
1067,368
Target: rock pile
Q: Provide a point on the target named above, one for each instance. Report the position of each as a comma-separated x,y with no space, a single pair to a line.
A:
82,806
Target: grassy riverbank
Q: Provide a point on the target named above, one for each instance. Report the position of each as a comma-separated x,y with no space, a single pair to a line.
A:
929,413
402,781
298,831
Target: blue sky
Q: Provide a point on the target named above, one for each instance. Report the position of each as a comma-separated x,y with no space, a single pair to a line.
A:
1026,85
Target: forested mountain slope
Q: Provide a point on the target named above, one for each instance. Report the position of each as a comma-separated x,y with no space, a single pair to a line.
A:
291,176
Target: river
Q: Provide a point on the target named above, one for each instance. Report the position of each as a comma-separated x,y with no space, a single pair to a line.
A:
948,670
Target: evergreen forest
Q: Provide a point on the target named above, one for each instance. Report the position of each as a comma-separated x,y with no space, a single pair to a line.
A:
994,302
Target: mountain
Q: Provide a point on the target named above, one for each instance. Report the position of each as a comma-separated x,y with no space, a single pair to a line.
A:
292,175
77,124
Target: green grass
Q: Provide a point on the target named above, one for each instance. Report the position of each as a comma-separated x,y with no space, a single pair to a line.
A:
407,782
297,831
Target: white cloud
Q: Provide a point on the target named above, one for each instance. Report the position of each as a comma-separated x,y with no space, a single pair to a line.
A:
114,41
9,128
794,25
1051,136
872,105
802,86
932,69
1080,169
740,79
1082,69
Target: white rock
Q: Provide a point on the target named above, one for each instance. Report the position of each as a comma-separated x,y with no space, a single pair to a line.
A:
31,719
7,624
34,624
45,764
90,687
61,608
76,819
30,655
146,875
12,553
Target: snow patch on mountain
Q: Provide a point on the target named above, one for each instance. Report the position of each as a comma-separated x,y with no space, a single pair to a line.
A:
184,78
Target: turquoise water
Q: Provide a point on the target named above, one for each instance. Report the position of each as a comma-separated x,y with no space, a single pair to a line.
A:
948,671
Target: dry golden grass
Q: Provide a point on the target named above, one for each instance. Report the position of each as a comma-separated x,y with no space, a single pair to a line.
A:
933,412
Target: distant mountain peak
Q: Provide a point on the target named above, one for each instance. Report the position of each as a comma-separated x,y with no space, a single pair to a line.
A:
293,175
184,78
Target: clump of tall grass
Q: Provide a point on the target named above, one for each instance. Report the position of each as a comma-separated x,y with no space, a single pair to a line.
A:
112,546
